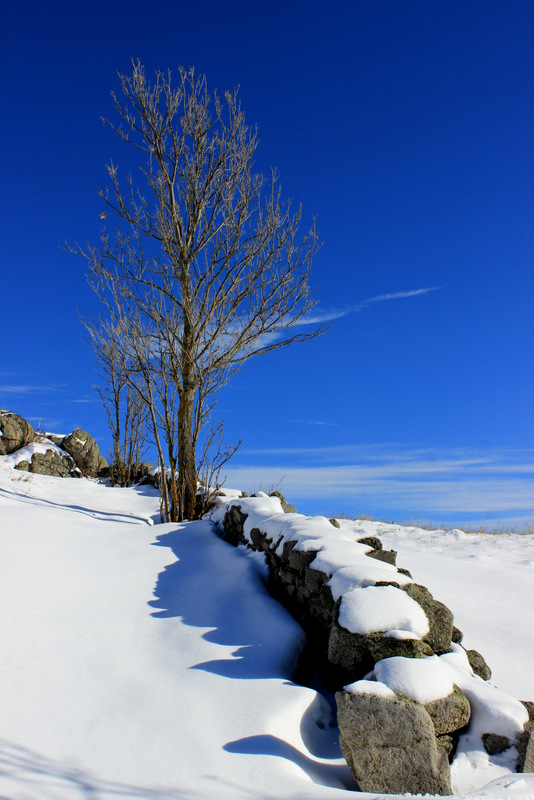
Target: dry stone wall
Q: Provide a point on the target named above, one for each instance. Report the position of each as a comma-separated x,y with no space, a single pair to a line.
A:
391,742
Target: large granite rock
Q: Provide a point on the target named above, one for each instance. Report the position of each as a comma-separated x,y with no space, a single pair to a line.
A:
287,508
15,432
390,745
449,714
51,463
355,654
85,452
234,524
440,618
525,742
478,664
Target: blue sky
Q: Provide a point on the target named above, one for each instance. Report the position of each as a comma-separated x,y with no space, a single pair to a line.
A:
406,128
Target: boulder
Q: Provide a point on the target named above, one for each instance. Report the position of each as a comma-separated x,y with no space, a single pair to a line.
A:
372,541
495,743
525,742
142,472
15,432
457,635
233,526
388,556
85,452
449,714
287,508
390,745
355,654
440,618
478,664
50,463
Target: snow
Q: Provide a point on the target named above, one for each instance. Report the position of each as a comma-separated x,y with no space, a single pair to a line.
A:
422,679
370,687
381,608
149,661
26,453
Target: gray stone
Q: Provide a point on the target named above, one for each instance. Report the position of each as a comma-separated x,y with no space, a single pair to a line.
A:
457,635
286,507
478,664
372,541
449,714
355,654
390,745
50,463
315,580
439,617
85,452
141,472
53,464
404,571
388,556
259,542
334,522
15,432
525,742
233,526
297,559
495,743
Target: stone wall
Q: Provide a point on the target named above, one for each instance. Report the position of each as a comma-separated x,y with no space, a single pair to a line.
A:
391,742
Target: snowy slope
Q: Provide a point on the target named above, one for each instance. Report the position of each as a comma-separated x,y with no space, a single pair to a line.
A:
149,661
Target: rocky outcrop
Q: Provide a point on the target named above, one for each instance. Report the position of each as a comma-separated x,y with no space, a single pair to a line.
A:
85,452
15,432
390,745
49,454
50,462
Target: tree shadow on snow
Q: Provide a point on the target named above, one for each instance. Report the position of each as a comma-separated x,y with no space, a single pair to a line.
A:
25,769
215,586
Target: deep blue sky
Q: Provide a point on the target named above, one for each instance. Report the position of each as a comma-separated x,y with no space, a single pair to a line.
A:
407,128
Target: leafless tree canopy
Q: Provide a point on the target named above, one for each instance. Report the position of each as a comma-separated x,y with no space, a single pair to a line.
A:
203,260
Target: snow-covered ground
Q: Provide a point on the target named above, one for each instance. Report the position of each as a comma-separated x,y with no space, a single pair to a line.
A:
149,661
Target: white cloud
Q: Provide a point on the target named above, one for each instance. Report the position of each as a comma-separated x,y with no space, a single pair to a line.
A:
400,295
435,484
313,422
318,315
23,388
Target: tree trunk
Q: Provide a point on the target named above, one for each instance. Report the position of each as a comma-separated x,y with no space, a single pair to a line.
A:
187,472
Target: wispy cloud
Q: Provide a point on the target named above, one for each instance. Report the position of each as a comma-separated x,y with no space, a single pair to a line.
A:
381,298
24,388
394,481
322,315
313,422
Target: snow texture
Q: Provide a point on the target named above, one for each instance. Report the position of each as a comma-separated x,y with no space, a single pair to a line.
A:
149,662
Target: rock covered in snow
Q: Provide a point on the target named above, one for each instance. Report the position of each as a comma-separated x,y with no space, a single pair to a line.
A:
390,745
43,457
48,454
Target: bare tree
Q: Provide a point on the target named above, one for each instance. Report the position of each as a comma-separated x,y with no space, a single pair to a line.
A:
204,252
126,411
